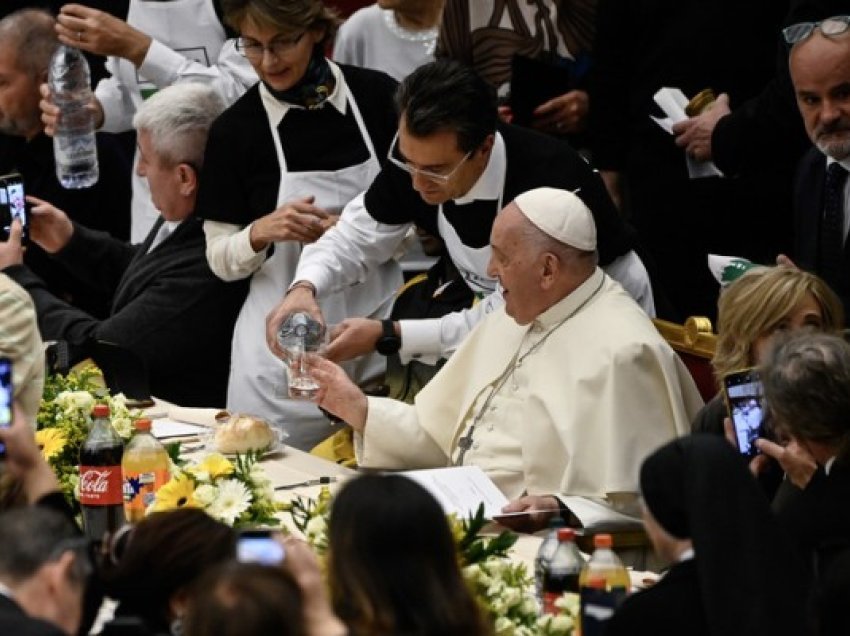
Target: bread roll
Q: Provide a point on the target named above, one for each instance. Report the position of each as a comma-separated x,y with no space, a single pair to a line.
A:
243,433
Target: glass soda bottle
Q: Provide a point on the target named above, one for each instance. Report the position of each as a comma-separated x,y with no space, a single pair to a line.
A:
604,583
100,477
562,572
544,555
74,145
145,469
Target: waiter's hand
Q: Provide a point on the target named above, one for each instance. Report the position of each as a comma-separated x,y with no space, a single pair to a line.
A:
101,33
338,394
563,114
297,220
540,509
301,297
353,337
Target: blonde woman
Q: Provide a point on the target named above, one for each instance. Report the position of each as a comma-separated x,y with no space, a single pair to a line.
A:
762,302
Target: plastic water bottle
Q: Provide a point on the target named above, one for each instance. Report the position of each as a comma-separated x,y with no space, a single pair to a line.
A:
145,470
74,145
604,584
562,572
544,555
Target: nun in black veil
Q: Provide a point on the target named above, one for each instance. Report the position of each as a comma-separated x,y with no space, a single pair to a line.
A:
734,572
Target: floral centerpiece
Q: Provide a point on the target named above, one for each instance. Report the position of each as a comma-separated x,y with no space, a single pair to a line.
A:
64,418
236,492
504,588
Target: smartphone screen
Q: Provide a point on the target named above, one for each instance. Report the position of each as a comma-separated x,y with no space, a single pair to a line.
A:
745,400
5,398
13,204
259,546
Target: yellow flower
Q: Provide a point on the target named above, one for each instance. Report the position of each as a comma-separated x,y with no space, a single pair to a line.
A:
178,492
215,465
51,442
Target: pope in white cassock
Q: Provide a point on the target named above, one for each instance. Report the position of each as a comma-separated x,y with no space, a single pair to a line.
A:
558,395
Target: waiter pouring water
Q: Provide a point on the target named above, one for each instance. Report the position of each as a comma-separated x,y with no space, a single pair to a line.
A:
280,164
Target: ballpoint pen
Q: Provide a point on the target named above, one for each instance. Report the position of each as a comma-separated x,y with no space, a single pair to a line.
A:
321,481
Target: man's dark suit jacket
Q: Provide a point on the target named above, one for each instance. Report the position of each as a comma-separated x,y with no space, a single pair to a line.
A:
808,213
818,517
13,620
167,306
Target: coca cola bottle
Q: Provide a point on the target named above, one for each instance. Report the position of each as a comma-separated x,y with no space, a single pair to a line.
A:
100,477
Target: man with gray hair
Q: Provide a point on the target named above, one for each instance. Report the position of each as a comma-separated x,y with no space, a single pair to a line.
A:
807,389
167,305
27,42
44,566
558,395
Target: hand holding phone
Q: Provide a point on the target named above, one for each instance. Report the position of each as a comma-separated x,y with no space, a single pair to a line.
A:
259,546
745,402
13,205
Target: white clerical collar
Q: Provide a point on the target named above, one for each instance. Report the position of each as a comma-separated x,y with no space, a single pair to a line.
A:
278,109
492,181
687,555
571,303
172,225
6,591
844,163
828,465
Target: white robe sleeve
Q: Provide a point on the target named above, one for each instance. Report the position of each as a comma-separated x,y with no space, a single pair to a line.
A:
231,75
350,250
616,511
229,251
394,439
428,340
115,101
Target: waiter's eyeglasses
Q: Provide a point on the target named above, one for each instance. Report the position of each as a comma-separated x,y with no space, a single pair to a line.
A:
436,177
279,46
836,25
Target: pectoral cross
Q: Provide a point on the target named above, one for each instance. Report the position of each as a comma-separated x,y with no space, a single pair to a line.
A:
464,444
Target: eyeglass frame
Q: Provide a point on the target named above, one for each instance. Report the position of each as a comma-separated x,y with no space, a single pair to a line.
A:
276,48
807,28
434,177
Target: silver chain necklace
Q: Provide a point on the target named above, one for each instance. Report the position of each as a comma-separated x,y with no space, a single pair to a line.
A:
465,442
427,37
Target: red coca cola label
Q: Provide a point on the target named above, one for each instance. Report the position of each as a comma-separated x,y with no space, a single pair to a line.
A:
100,486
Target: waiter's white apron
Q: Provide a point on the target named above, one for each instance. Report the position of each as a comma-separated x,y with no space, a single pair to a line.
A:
257,378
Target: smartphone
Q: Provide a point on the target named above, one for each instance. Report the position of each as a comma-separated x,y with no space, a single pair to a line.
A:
13,205
5,399
259,546
745,403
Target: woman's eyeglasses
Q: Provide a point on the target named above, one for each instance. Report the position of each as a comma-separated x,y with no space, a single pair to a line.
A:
279,46
836,25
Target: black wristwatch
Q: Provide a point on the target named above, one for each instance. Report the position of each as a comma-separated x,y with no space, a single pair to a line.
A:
389,343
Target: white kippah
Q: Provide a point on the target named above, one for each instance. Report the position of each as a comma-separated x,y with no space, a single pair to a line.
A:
561,215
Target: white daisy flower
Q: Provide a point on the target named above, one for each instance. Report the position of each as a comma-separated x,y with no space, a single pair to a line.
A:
234,498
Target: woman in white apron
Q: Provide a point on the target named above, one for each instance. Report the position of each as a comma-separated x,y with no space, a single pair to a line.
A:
185,42
255,141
